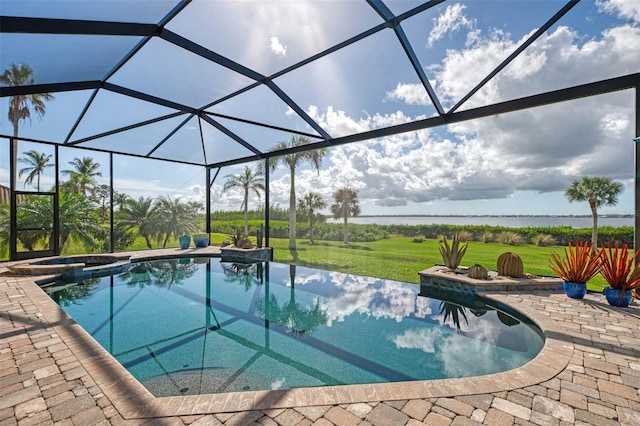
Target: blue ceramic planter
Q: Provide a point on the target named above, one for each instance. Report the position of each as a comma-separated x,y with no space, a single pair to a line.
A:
185,241
201,241
613,297
574,290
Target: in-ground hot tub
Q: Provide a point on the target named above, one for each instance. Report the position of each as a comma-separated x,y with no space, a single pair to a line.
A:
82,265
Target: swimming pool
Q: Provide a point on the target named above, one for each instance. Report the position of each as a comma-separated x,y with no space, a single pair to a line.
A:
190,326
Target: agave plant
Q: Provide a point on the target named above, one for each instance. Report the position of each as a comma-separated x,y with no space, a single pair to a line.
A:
619,268
579,265
453,253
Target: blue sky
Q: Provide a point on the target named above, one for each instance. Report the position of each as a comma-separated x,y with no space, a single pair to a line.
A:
517,163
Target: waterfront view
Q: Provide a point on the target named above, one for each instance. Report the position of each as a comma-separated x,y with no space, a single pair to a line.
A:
508,221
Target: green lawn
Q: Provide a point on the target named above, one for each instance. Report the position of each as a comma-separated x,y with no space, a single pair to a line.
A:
399,258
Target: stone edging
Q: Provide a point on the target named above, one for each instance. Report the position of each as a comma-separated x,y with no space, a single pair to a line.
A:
134,401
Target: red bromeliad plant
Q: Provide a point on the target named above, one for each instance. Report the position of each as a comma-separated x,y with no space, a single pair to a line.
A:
618,268
579,265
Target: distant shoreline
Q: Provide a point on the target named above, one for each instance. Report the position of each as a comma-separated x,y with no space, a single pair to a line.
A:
497,215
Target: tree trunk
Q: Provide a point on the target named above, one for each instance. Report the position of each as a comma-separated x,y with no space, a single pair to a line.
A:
292,211
594,231
246,212
311,227
345,230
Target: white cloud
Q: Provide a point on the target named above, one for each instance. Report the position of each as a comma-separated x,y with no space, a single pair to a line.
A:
412,94
628,9
277,47
452,19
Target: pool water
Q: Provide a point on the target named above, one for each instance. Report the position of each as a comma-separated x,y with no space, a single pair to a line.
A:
192,326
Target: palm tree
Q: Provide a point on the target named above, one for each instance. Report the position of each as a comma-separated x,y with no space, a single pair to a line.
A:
77,218
20,105
598,191
139,214
36,162
346,205
247,181
315,156
172,217
120,199
308,206
83,177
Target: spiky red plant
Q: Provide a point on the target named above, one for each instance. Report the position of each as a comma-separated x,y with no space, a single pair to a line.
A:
619,268
579,265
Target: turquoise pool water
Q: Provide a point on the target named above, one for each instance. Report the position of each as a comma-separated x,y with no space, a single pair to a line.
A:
190,326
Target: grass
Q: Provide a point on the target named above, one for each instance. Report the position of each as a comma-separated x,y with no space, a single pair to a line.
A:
396,258
400,259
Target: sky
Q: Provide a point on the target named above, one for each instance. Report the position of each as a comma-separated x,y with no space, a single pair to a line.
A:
512,164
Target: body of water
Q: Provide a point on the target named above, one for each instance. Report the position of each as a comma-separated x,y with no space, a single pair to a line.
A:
509,221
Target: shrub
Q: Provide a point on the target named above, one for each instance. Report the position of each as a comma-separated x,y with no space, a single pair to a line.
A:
511,238
417,240
487,237
465,235
543,240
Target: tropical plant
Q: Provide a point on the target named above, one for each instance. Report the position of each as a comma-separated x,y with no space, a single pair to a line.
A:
598,191
139,214
247,182
308,206
120,199
453,253
20,106
346,204
619,269
102,197
579,264
77,219
314,156
172,217
82,179
36,162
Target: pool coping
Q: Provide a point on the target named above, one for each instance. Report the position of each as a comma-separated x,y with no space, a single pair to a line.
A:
133,401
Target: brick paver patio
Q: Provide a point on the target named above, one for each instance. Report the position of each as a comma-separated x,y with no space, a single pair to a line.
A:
52,372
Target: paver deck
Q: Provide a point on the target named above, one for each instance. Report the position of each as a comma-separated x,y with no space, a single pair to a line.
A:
53,372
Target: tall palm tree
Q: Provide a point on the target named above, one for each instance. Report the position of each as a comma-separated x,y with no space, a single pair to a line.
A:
20,106
314,156
172,217
247,182
598,191
139,214
346,205
309,205
36,162
83,177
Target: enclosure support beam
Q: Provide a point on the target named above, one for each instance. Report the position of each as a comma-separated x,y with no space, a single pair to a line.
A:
636,194
207,200
13,218
267,209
